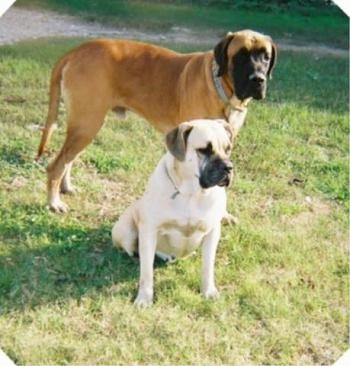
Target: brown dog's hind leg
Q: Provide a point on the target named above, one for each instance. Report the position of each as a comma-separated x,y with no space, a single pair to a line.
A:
79,135
66,186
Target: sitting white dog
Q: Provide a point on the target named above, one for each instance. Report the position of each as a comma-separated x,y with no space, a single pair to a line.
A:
183,205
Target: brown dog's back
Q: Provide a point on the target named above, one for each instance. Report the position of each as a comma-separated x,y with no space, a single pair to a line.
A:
125,69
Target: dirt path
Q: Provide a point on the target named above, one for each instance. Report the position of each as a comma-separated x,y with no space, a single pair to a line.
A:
20,24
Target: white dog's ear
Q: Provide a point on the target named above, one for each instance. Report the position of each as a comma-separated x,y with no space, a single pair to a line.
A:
176,140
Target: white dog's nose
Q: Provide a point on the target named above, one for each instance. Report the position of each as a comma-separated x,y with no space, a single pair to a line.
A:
228,166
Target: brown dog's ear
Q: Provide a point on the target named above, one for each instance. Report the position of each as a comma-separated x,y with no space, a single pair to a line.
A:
273,60
176,140
220,54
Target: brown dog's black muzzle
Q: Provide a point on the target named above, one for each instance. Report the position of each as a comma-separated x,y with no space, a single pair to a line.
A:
257,78
250,73
256,85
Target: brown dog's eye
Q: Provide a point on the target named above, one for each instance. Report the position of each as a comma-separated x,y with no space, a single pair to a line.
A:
208,150
266,57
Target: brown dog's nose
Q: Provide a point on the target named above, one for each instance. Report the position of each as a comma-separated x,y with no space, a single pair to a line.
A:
257,77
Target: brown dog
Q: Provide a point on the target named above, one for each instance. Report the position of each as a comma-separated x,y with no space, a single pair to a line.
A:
163,86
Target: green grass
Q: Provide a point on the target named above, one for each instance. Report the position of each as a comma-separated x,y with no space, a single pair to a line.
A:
66,294
326,25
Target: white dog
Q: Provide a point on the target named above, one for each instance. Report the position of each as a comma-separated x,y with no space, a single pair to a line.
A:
183,205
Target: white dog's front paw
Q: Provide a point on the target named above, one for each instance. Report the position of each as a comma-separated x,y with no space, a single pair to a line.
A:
144,299
211,293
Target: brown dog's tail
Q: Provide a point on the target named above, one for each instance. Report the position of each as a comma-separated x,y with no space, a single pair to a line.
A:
54,99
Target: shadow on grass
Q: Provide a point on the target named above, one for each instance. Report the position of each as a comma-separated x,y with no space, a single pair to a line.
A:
45,260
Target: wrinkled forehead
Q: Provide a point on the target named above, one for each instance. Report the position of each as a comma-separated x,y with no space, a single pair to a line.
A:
211,131
251,41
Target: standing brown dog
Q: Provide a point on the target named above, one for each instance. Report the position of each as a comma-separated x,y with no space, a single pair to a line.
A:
163,86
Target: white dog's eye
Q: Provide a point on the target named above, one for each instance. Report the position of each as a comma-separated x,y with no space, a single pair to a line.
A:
208,150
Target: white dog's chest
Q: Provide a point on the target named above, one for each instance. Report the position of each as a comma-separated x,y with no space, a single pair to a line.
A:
184,228
178,239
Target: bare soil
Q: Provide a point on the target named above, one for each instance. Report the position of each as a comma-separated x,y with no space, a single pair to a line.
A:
22,24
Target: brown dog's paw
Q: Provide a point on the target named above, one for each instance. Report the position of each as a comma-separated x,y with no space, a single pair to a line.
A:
58,206
229,219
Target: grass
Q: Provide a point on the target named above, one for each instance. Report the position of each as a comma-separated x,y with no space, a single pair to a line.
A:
327,25
66,294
